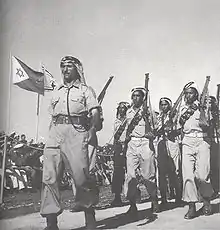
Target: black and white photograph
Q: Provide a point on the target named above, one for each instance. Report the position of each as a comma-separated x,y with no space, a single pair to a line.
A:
110,114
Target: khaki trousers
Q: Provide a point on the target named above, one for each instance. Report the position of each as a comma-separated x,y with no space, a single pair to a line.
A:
196,169
140,168
66,145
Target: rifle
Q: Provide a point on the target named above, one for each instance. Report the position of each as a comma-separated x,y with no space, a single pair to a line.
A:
92,147
103,92
145,107
179,99
204,104
172,113
204,93
152,114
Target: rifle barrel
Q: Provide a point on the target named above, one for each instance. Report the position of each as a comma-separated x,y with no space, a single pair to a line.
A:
102,93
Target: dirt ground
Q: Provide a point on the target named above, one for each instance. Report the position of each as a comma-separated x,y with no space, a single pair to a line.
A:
21,211
112,218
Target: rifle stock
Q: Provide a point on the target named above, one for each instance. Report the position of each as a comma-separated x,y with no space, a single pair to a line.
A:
177,102
203,120
204,92
172,115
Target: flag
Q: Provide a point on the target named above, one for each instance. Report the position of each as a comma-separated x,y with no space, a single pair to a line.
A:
27,78
49,81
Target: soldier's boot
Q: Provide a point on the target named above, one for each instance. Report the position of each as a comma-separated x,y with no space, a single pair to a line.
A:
52,222
132,211
90,220
207,208
155,206
191,212
163,204
117,202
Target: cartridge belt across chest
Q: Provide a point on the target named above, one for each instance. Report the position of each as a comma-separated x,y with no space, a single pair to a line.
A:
65,119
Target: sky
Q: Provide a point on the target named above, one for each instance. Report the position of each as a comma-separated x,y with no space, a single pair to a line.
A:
174,41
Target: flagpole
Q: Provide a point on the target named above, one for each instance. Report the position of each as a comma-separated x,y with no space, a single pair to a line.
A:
38,109
38,116
9,97
7,131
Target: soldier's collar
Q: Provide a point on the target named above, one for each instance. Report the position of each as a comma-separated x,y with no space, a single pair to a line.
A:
131,109
75,84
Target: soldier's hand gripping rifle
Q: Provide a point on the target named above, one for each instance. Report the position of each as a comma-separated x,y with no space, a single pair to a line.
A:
203,120
92,146
147,111
178,101
145,107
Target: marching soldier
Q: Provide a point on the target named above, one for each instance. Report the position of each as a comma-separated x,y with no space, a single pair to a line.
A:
195,155
168,151
139,153
75,120
119,157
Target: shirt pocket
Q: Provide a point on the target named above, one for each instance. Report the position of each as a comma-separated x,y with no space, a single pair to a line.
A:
79,99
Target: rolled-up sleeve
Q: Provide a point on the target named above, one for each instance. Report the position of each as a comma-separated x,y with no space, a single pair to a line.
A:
53,101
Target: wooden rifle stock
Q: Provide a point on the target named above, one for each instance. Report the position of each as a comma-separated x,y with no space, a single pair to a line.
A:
179,99
172,113
204,93
203,120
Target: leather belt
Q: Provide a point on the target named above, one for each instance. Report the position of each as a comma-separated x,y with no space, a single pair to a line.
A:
196,134
65,119
139,138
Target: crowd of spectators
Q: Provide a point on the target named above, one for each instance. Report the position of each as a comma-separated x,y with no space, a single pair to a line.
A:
24,164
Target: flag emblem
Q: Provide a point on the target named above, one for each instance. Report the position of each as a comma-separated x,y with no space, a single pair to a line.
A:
27,78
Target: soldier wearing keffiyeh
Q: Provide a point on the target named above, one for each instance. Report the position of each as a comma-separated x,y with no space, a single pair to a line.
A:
168,151
75,120
119,157
195,155
140,154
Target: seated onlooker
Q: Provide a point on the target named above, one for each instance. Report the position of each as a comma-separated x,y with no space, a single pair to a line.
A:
23,139
34,167
15,177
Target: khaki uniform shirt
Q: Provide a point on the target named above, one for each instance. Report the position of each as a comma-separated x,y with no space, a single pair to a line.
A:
139,130
192,124
81,100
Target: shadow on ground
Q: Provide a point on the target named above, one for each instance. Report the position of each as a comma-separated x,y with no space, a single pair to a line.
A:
124,219
215,209
144,215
